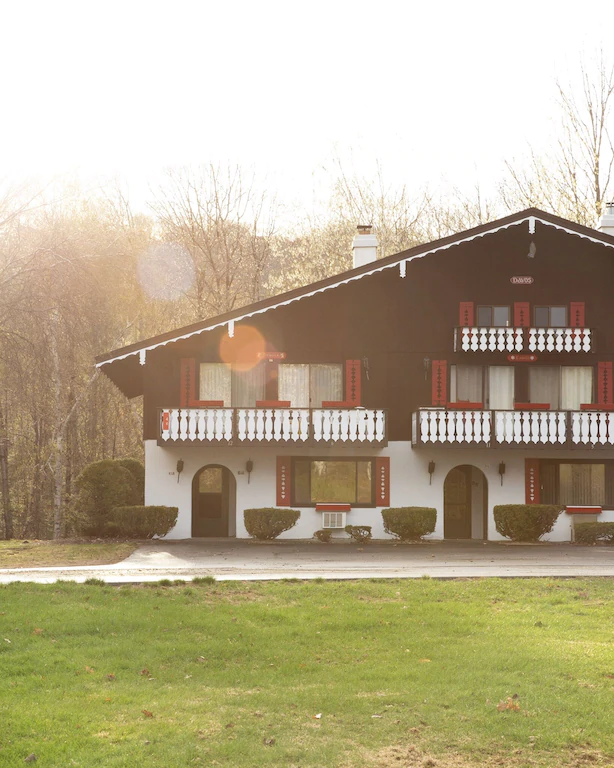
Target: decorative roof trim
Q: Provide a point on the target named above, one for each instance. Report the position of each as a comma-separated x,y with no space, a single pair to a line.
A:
401,262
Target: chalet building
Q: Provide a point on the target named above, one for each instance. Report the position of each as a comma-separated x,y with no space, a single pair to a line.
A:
461,374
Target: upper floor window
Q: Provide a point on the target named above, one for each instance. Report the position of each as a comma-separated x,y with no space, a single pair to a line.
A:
491,385
550,317
491,316
234,387
307,386
563,388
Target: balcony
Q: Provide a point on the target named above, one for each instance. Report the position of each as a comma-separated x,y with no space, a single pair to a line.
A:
474,339
272,426
511,429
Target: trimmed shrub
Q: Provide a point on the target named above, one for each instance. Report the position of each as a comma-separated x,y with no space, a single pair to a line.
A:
409,523
100,488
139,522
525,522
267,523
591,533
137,470
359,533
323,535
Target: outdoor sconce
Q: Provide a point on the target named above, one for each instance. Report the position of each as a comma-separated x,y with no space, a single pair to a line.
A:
249,467
502,471
427,364
179,468
431,470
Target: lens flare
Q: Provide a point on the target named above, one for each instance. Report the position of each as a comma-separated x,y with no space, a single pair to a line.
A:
165,271
244,348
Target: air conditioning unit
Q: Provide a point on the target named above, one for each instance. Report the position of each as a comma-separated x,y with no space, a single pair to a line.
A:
333,520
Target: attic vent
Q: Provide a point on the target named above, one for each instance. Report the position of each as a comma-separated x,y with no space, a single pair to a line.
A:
333,520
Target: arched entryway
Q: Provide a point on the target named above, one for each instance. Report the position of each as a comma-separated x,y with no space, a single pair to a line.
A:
213,502
465,503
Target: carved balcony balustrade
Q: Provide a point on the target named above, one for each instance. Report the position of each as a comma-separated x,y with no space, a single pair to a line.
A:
273,426
516,340
510,429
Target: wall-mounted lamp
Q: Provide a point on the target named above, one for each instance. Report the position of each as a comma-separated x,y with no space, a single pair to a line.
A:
431,470
180,466
249,467
502,470
365,365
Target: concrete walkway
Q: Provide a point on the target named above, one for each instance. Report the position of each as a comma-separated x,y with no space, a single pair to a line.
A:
227,559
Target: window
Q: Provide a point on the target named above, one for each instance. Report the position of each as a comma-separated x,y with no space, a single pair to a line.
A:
566,387
493,316
492,385
550,317
349,481
307,386
239,388
582,483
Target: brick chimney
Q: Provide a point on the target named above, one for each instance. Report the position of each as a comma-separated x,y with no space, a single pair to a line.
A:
606,223
364,245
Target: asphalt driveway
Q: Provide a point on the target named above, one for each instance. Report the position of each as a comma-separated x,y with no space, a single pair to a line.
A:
251,560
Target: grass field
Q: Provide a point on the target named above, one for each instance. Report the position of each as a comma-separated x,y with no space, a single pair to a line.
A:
33,554
413,673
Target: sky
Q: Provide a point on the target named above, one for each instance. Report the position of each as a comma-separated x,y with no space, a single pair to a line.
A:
438,93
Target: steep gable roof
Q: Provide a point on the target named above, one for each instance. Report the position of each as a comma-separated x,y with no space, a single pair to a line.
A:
530,216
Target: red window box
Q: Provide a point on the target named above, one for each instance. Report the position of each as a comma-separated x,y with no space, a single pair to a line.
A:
583,510
332,507
597,407
461,405
531,406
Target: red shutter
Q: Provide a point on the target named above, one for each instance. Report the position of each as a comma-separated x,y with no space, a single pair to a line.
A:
352,382
576,314
188,381
522,314
439,375
531,481
604,383
382,481
465,314
284,481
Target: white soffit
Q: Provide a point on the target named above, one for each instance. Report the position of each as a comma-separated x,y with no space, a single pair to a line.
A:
400,263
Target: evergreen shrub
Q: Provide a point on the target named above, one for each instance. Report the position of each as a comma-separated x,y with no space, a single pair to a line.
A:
140,522
268,523
525,522
591,533
409,523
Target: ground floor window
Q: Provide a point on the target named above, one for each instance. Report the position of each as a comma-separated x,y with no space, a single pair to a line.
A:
349,481
585,483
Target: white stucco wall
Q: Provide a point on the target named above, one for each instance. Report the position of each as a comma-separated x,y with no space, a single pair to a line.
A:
408,476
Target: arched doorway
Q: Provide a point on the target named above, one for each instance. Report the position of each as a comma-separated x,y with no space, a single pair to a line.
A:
465,503
213,502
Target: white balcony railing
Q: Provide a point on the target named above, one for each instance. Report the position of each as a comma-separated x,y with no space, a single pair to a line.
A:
567,429
238,426
478,339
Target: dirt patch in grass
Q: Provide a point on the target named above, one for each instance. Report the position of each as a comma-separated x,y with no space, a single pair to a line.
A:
35,554
413,757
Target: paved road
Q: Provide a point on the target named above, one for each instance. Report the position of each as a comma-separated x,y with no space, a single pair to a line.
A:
249,560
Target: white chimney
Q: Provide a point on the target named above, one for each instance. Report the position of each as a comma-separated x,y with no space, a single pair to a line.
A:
606,223
364,245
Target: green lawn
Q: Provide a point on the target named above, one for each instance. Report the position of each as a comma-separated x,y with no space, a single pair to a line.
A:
33,554
412,673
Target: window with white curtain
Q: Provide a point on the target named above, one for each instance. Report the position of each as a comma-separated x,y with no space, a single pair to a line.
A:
500,388
545,385
307,386
466,383
236,388
576,386
215,382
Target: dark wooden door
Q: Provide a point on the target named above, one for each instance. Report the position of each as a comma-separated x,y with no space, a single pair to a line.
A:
210,502
457,504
